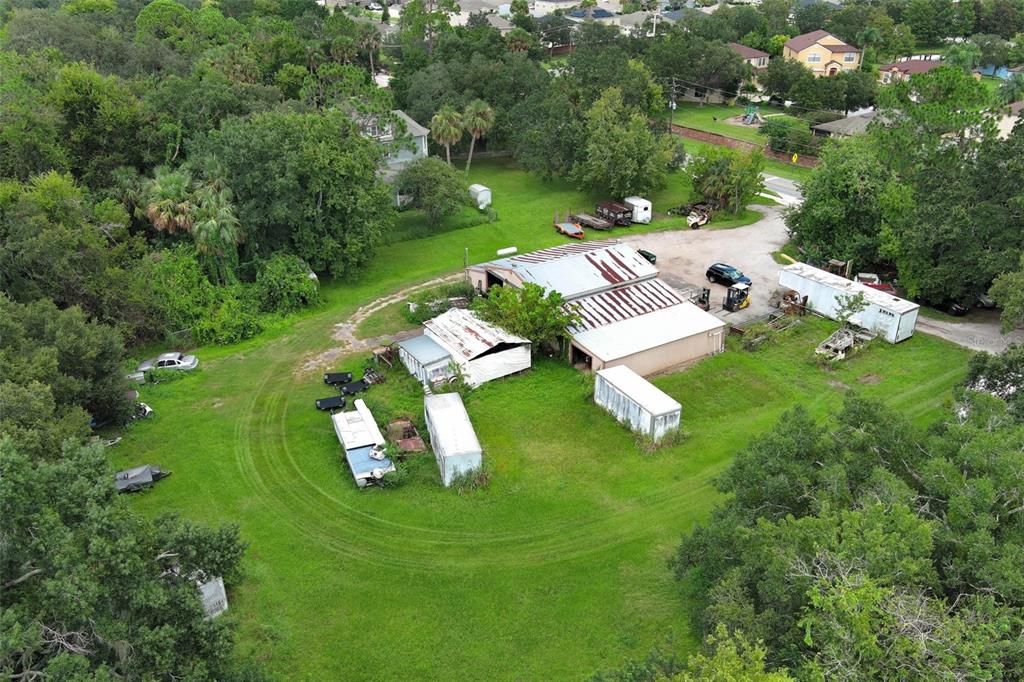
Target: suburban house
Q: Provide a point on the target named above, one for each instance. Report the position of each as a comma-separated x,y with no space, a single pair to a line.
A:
460,342
542,8
822,53
470,7
601,16
628,316
904,68
499,22
756,58
403,146
640,23
845,127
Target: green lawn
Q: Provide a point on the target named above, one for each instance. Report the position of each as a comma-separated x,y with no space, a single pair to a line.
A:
713,119
555,570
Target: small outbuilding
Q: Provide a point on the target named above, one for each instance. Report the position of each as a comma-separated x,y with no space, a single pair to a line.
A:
452,437
636,402
458,341
213,596
481,196
363,443
641,209
891,317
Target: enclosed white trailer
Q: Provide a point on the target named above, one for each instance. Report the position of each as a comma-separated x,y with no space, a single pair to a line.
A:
452,437
481,196
641,209
891,317
636,402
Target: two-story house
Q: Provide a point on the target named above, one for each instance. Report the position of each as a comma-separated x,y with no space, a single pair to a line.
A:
756,58
822,53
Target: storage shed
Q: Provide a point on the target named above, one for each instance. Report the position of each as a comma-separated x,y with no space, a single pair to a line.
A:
363,443
481,196
634,401
891,317
452,437
425,359
213,596
479,350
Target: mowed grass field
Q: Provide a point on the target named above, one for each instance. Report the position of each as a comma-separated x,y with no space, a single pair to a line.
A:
555,570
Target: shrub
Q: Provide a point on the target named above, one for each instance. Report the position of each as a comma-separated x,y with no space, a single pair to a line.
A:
434,301
229,322
435,187
163,376
283,284
471,481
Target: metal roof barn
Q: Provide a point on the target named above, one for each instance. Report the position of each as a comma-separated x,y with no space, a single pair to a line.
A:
619,342
452,437
891,317
481,351
623,303
361,438
636,402
571,272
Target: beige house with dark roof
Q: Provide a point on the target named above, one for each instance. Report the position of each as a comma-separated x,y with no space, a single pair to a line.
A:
822,53
756,58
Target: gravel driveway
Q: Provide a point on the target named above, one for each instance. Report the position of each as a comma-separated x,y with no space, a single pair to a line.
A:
684,257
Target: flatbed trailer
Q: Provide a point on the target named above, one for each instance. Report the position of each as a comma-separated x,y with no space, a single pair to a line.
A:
593,222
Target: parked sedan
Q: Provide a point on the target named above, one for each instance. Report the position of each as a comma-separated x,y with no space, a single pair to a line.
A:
722,273
170,361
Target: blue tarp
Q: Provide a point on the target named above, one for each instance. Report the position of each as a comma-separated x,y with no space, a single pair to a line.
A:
362,464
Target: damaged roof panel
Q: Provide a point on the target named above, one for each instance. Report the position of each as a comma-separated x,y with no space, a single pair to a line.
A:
465,335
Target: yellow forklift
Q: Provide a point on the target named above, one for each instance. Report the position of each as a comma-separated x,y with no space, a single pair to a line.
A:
737,297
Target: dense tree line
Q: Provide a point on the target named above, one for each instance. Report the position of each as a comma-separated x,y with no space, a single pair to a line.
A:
930,194
866,548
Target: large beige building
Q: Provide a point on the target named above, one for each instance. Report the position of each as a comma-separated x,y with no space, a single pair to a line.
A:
822,53
628,316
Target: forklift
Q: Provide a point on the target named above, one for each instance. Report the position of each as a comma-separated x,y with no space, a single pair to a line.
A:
703,300
737,297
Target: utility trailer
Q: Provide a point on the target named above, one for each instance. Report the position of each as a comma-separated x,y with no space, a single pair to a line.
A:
590,221
615,213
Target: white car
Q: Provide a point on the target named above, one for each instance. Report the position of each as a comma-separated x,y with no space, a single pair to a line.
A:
170,361
374,7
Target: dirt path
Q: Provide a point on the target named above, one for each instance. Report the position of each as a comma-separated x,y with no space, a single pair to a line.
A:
345,332
979,332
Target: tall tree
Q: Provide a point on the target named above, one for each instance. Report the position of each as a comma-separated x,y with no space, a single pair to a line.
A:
446,128
621,156
168,200
478,119
217,233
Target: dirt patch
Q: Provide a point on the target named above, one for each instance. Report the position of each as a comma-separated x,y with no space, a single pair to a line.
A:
217,402
345,332
869,379
838,385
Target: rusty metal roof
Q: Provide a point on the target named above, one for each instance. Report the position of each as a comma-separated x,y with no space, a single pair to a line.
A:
465,335
623,303
577,270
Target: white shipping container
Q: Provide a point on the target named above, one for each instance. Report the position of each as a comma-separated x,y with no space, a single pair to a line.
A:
636,402
891,317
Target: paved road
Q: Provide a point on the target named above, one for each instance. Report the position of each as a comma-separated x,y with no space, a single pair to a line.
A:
784,191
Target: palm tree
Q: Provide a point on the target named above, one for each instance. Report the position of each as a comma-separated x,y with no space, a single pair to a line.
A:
168,200
446,129
478,119
518,40
217,232
369,42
